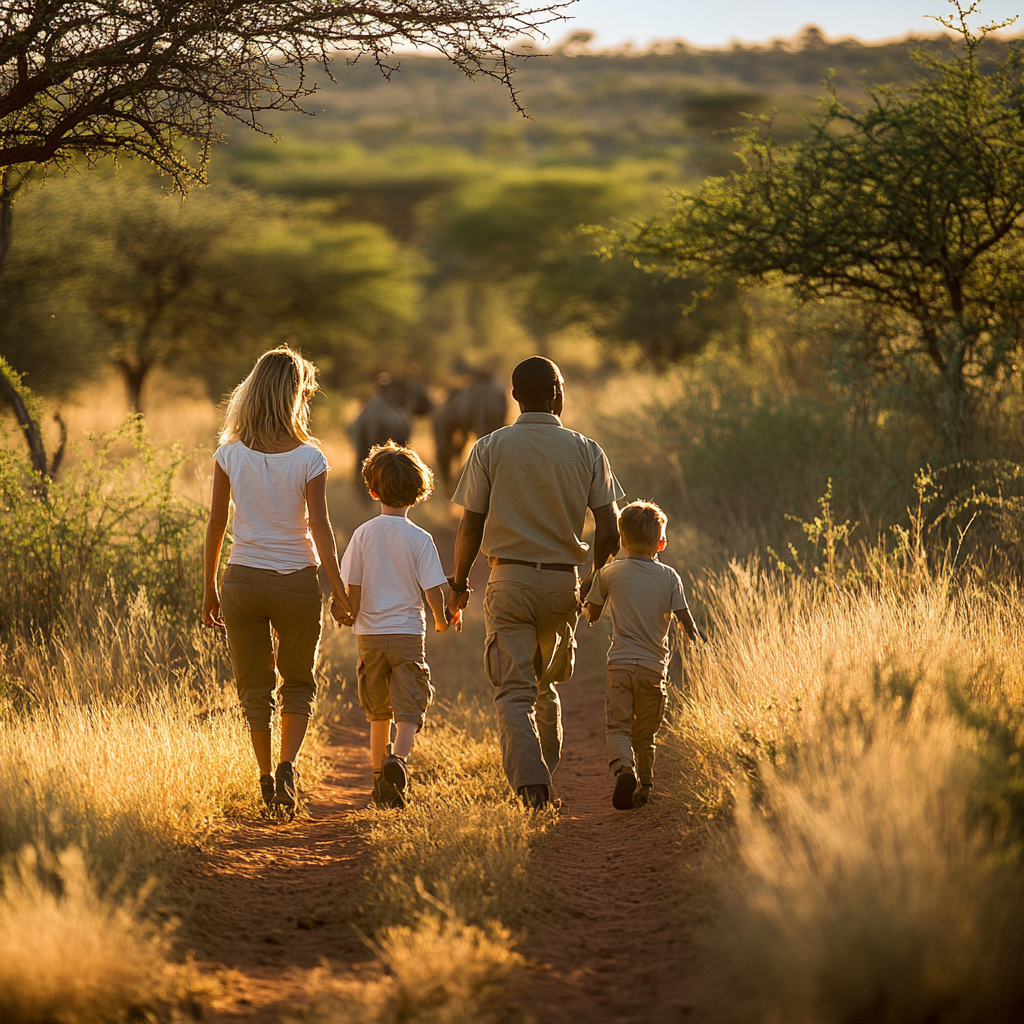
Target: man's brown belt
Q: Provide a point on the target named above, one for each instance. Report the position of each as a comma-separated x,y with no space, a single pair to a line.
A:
551,566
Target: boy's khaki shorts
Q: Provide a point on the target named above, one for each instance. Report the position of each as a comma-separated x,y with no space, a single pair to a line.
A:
392,677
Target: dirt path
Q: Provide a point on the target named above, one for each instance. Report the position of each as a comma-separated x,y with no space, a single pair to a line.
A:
268,902
615,899
617,895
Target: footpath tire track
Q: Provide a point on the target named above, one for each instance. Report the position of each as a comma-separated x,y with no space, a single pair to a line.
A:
268,901
617,896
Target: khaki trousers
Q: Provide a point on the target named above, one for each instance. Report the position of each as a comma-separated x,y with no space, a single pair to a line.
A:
254,600
530,616
634,708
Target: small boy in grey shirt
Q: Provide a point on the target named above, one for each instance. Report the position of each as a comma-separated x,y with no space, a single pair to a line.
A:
642,596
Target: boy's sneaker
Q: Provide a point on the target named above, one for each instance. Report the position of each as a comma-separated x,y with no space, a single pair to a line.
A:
643,794
625,787
535,798
395,772
267,789
285,790
386,794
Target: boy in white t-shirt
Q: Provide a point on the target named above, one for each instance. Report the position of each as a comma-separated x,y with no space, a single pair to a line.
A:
642,596
388,563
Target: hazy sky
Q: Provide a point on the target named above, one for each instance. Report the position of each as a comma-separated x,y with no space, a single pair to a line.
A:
712,23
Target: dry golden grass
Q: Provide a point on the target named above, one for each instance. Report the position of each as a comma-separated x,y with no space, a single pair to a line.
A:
71,956
439,971
865,737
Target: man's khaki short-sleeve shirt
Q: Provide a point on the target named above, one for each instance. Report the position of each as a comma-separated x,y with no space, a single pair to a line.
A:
534,480
641,594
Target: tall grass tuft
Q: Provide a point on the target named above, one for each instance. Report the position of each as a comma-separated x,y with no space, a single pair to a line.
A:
439,971
858,728
69,955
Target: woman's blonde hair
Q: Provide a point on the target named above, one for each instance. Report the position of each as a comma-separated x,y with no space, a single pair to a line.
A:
272,402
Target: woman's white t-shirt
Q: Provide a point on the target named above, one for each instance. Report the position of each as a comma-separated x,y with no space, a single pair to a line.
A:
268,490
392,559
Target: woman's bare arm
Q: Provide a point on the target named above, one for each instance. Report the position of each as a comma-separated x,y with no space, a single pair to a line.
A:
215,530
323,536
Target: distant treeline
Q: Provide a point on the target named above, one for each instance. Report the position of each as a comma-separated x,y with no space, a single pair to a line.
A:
594,107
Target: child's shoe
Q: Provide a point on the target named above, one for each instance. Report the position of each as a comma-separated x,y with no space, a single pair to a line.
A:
386,794
267,789
285,790
395,771
625,787
643,794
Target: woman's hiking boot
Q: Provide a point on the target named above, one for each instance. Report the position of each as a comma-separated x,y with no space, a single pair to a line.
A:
267,789
535,798
625,787
643,794
395,771
285,790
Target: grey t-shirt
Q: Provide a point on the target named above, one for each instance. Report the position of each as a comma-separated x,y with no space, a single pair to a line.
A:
534,480
641,594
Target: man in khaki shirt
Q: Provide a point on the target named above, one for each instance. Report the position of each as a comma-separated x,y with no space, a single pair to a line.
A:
525,490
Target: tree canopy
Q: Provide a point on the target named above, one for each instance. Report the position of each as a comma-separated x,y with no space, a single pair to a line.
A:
113,273
118,76
913,205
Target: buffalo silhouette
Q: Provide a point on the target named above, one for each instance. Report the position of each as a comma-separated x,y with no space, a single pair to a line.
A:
477,409
388,415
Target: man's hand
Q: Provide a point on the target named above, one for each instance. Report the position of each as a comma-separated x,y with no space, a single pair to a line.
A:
593,612
457,601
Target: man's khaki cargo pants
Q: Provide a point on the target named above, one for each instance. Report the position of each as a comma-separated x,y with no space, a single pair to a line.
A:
530,616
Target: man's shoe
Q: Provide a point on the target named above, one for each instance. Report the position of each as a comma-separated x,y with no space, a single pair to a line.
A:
267,789
535,798
625,787
643,794
395,772
285,791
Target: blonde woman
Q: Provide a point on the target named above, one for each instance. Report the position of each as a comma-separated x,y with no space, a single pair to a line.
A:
273,470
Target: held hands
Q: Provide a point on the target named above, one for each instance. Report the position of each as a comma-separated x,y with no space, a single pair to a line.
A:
341,610
457,601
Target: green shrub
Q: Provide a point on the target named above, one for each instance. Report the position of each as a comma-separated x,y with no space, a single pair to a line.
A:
108,528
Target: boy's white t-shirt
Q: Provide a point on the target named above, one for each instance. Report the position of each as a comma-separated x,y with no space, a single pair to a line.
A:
392,560
268,490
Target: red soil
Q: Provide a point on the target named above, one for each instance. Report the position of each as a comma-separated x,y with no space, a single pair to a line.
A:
267,903
610,920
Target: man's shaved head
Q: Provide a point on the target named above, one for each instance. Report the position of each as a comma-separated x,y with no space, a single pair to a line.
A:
534,380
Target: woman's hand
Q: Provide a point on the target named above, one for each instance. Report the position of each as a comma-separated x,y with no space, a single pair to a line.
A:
211,609
341,611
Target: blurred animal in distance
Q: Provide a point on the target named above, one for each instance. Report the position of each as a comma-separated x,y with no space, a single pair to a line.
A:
477,409
388,415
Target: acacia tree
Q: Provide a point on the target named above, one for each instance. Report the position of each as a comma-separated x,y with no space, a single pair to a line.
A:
913,206
142,78
140,283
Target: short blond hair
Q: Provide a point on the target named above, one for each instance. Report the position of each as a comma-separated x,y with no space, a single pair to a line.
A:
642,526
397,475
272,402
